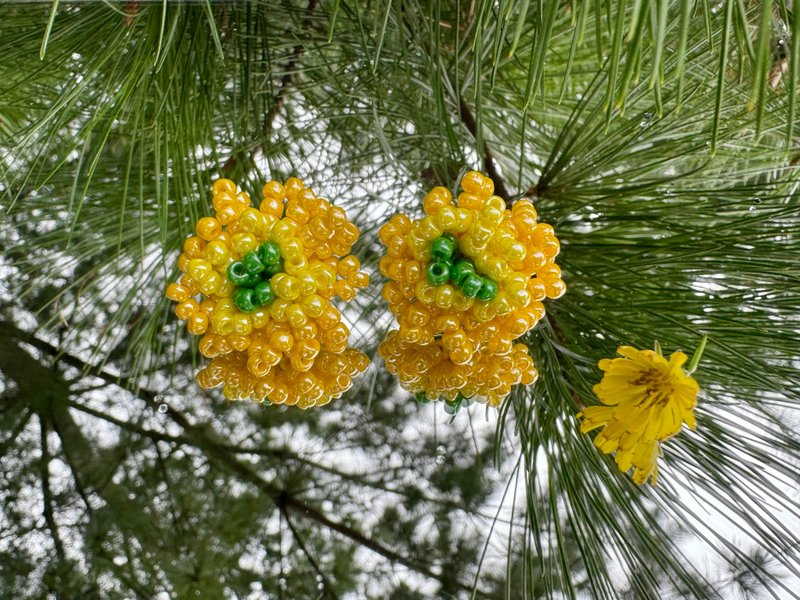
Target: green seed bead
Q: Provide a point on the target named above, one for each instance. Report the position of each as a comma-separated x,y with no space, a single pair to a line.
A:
488,290
438,272
269,253
443,248
273,268
471,285
452,238
245,299
252,263
264,293
237,273
451,407
460,271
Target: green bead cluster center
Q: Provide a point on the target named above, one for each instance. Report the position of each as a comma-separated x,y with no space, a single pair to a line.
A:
447,265
251,276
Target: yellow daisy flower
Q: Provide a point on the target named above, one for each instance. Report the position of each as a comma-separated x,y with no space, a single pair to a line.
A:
647,399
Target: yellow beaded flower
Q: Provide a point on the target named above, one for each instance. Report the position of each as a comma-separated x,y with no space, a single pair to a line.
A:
647,399
465,281
266,278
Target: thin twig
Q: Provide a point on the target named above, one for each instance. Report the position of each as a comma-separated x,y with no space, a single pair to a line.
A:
500,188
47,495
327,588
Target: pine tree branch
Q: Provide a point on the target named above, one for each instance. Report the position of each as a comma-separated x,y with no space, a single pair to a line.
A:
280,97
327,588
47,495
500,188
221,455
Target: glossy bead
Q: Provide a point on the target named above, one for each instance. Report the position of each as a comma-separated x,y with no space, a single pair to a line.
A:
237,273
217,253
223,186
344,290
282,232
443,248
200,269
285,286
208,228
359,279
244,242
471,285
252,263
245,299
437,272
242,326
488,290
187,308
177,293
444,296
264,294
273,268
461,270
260,317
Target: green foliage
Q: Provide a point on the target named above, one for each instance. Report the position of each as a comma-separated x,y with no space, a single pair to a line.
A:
658,138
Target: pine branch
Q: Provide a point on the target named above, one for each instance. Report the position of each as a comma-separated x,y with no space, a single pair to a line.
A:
221,455
47,494
500,187
279,100
327,588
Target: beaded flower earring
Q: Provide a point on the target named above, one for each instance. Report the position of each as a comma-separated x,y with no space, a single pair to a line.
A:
266,278
464,282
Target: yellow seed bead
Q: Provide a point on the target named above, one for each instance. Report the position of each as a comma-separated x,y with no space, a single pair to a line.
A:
211,284
295,315
324,276
194,247
277,310
208,228
444,296
222,322
237,341
344,290
221,186
359,279
469,201
200,269
273,189
292,250
226,288
260,318
242,324
313,305
307,283
217,253
285,286
244,242
177,293
186,309
249,220
271,207
426,292
461,302
282,232
447,219
197,323
281,341
428,230
295,266
438,198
